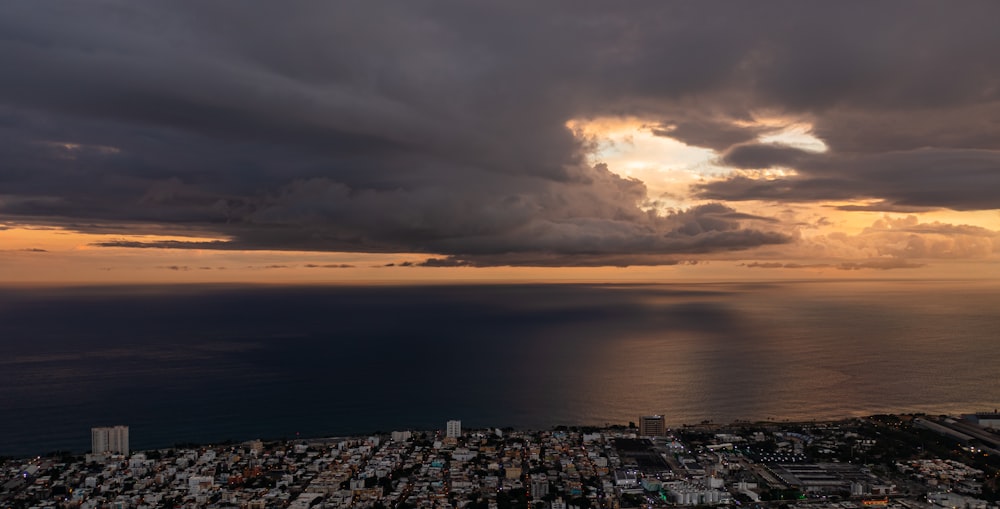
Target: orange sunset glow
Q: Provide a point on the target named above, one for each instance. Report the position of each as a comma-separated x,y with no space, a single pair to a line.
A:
829,239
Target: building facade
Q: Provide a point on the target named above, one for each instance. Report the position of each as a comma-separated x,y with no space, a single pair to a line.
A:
453,429
652,426
539,486
112,439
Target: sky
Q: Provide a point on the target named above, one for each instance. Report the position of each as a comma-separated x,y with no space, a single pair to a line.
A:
498,141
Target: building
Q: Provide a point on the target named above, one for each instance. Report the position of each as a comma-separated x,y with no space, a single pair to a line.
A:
539,486
652,426
112,439
987,420
453,429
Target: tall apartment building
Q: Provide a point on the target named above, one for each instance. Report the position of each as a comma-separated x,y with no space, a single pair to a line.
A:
453,429
539,486
112,439
652,426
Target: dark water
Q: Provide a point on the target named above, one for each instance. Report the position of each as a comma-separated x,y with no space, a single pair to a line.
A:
205,364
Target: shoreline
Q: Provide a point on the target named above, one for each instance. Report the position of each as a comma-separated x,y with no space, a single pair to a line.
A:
705,425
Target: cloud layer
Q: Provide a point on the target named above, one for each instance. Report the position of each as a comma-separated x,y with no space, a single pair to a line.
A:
441,127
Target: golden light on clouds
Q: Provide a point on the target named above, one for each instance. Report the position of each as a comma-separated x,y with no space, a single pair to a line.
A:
835,239
832,238
798,135
643,149
630,148
48,255
850,245
629,144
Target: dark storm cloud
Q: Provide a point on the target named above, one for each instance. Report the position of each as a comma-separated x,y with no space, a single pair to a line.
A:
714,134
763,155
883,206
167,244
549,260
960,179
780,189
26,250
440,127
572,241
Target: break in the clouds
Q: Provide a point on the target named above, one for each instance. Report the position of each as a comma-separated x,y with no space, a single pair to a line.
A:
441,127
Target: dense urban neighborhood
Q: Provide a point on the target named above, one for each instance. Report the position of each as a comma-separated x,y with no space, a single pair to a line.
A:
906,461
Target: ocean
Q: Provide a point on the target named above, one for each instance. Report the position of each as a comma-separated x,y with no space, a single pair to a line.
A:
204,364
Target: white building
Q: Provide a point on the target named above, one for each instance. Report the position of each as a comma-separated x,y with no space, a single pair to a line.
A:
200,484
987,419
453,429
539,486
112,439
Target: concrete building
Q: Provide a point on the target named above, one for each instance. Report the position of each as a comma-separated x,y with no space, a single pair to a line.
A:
453,429
987,419
539,486
113,439
652,426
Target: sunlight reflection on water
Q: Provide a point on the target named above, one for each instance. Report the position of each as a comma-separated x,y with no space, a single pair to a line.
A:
197,365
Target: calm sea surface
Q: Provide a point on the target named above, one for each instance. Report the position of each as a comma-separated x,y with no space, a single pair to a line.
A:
206,364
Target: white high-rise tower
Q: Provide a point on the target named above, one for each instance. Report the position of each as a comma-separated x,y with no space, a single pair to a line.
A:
109,439
453,429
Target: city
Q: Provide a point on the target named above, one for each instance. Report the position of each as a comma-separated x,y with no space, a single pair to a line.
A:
904,462
499,255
